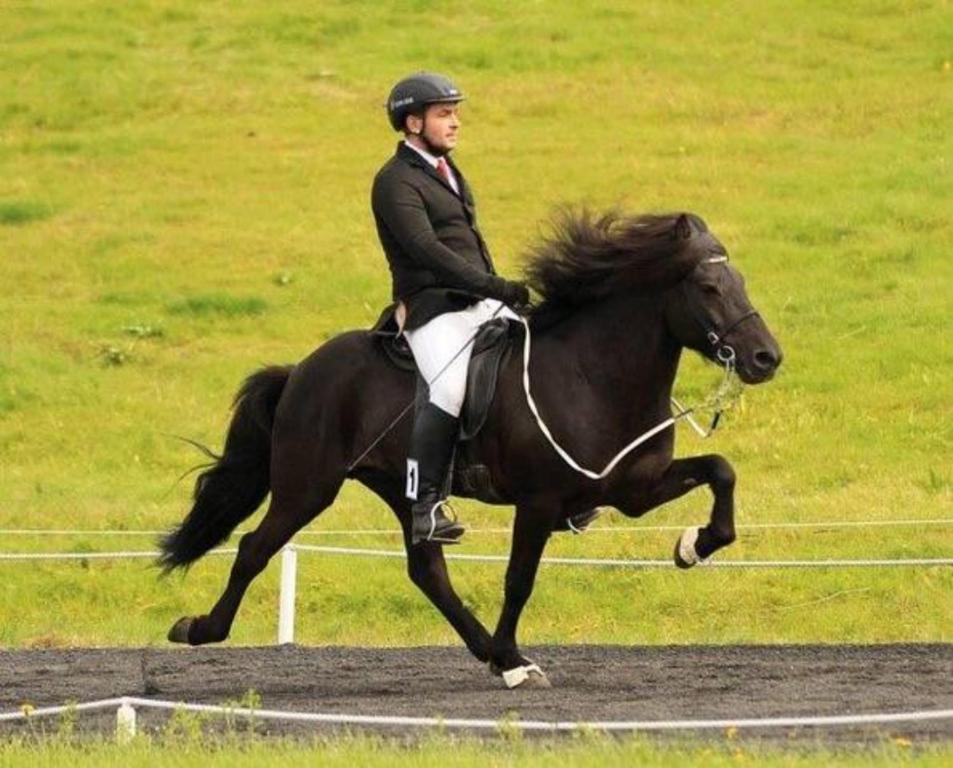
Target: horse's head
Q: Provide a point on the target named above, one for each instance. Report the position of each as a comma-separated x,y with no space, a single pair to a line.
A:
709,310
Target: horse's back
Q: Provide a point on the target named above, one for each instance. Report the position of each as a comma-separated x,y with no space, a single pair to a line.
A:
344,390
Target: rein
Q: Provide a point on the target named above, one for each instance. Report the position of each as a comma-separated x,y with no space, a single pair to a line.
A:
723,397
721,400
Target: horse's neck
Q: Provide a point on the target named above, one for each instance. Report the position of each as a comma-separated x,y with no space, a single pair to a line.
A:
616,360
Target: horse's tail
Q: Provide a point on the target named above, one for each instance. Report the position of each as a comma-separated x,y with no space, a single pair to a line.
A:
235,483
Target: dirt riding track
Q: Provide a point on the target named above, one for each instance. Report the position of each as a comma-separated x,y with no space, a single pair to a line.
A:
589,683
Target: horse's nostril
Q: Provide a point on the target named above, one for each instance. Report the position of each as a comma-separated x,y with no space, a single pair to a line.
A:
765,359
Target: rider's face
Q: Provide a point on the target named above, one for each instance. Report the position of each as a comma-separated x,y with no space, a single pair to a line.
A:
441,127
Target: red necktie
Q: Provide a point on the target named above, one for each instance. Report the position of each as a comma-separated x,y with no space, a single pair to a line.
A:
444,170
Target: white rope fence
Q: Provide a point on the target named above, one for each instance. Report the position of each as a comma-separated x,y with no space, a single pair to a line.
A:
640,563
289,569
485,558
502,530
289,566
128,555
126,725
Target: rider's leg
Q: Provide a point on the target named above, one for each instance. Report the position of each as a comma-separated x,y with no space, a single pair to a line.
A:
442,353
428,462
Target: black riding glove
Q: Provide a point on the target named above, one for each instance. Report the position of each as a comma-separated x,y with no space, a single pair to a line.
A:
515,295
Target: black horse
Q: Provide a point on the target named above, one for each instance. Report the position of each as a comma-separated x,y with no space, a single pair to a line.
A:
621,297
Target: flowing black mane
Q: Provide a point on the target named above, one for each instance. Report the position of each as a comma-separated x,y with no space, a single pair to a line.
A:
587,258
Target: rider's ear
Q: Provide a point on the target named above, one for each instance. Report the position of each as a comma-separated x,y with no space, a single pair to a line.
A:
683,228
413,124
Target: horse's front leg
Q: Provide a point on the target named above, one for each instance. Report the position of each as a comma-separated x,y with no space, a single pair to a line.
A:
530,534
682,476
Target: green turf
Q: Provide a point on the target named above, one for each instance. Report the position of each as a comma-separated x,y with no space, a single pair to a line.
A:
184,197
182,746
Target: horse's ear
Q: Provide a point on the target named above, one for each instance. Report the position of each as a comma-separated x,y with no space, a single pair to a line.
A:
683,228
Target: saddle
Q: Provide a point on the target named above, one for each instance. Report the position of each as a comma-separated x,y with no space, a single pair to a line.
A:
489,347
468,475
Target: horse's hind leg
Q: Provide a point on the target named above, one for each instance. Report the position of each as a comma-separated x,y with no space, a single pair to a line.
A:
682,476
286,515
427,569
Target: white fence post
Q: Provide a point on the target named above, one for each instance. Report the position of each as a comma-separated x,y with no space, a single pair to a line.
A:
125,722
286,599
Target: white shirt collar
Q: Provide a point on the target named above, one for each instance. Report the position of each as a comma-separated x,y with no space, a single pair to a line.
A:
424,154
454,184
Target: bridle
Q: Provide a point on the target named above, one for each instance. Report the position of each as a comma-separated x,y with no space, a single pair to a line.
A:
720,400
728,391
724,352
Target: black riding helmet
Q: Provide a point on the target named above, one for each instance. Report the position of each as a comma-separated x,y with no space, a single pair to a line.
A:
412,94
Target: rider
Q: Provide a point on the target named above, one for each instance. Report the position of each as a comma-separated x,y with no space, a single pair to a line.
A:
443,279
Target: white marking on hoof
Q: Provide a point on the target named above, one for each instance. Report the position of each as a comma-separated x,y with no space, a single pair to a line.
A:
686,548
527,676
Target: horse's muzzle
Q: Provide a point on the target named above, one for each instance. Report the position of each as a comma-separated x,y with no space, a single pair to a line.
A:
760,366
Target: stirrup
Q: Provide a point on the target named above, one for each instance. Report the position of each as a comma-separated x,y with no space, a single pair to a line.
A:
450,515
456,528
585,519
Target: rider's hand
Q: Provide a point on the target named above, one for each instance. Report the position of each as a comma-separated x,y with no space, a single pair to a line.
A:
516,295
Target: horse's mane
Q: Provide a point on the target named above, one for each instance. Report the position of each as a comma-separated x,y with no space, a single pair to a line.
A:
586,258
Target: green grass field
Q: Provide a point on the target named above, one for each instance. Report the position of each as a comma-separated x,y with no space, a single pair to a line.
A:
184,197
443,750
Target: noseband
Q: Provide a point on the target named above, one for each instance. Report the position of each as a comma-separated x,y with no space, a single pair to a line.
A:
727,391
724,352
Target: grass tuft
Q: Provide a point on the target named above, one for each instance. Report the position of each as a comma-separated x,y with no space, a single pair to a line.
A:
210,304
22,212
143,331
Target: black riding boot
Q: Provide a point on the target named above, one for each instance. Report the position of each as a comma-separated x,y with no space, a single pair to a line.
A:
431,450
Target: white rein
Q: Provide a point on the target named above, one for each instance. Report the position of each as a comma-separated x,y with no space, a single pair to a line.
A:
721,399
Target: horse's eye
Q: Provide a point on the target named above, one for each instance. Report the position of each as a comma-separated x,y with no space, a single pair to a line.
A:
710,289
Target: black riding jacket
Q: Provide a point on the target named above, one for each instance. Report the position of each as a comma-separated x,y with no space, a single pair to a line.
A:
437,257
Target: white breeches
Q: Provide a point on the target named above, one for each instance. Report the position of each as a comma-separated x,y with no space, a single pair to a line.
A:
436,342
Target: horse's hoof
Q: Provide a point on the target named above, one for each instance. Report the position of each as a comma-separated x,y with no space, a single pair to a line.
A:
685,555
495,669
527,676
536,679
180,630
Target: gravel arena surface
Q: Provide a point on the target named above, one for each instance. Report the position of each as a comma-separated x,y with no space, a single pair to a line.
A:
589,683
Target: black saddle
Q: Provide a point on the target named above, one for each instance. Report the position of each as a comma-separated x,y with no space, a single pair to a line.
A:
489,347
